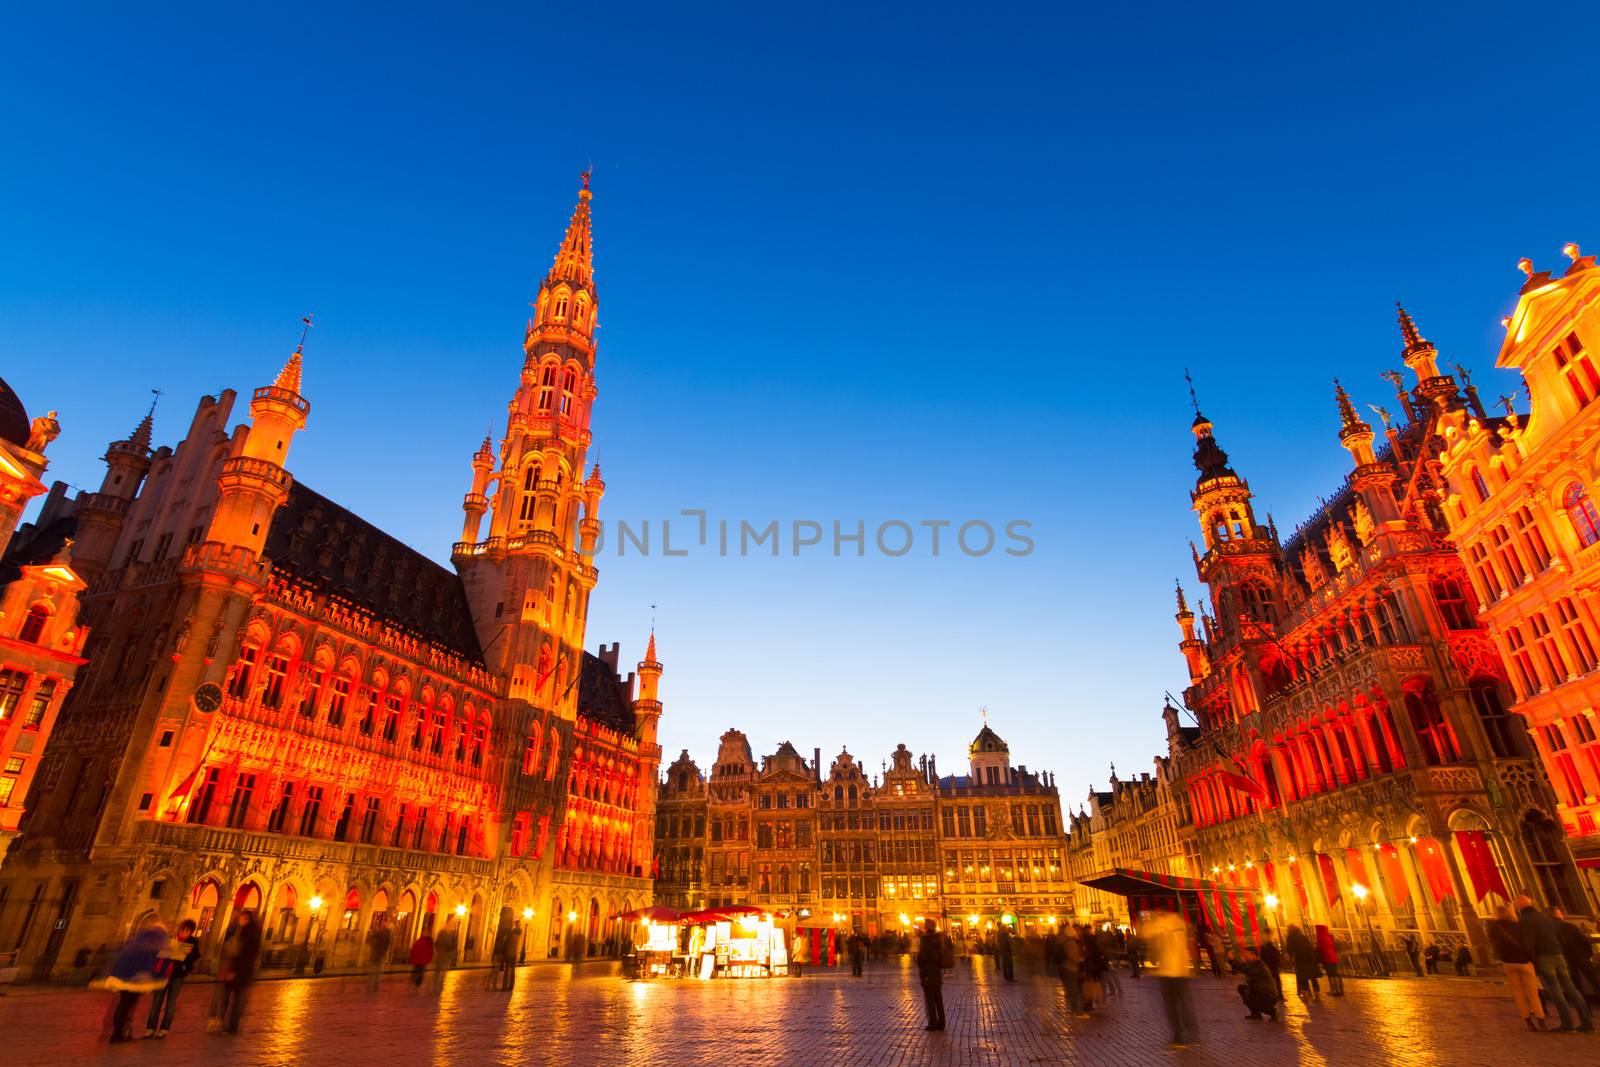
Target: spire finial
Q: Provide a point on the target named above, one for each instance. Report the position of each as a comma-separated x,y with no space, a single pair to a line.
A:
983,713
1183,603
306,318
1347,410
1194,401
1408,329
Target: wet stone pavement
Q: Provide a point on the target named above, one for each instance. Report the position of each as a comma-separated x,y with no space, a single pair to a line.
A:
594,1017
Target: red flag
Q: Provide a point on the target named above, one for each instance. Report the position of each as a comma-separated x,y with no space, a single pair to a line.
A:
1244,785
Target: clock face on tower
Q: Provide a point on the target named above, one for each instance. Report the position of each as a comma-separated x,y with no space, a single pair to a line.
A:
208,697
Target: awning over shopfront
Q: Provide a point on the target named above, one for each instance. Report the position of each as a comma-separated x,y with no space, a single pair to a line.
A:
1230,910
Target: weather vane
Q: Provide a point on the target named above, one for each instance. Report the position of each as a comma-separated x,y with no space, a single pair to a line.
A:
1194,401
301,347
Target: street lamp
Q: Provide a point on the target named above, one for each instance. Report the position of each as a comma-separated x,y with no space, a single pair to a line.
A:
522,948
1375,957
315,904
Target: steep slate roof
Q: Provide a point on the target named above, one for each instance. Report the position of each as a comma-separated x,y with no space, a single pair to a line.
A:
603,697
40,546
316,542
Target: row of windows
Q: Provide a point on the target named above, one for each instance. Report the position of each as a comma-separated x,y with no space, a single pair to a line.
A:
1547,649
13,694
370,710
298,809
1576,777
1002,865
799,799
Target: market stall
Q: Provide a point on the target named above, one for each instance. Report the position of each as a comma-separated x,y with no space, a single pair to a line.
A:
1229,910
655,941
736,942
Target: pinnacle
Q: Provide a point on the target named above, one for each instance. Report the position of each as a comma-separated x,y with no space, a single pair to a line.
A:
1347,410
289,377
1408,329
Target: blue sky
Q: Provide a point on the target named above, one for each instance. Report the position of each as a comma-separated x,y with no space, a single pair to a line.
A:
852,266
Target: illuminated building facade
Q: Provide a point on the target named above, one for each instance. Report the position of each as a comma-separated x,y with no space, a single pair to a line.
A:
1001,834
908,850
783,864
1353,757
41,642
848,844
288,710
730,798
681,815
1133,825
1520,503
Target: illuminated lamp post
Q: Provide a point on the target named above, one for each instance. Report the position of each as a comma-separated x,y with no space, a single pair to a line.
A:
1272,904
315,904
522,949
1374,956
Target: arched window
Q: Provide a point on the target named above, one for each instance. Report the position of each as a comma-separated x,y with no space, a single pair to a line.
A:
530,480
561,306
1479,486
547,388
33,625
1438,739
1547,855
580,313
1581,512
1577,370
569,387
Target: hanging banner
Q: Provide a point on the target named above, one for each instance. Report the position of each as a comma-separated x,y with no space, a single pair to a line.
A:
1482,871
1330,878
1394,875
1430,857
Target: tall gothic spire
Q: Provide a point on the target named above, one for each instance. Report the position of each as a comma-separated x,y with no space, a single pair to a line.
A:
289,377
1348,418
575,259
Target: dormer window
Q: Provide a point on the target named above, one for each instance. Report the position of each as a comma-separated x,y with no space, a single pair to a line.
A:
33,625
1581,512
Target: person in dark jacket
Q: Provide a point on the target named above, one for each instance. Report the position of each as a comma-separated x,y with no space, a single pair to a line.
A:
1274,961
1463,961
1511,949
1413,949
176,959
1430,958
1540,935
136,970
1304,956
1004,953
240,955
1257,990
1578,950
930,970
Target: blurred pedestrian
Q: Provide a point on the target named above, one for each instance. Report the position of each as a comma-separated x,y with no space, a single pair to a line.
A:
444,953
504,973
241,952
1274,961
1516,961
1430,958
857,947
1167,937
934,956
1257,990
378,942
1579,951
176,959
135,971
1539,933
1463,961
801,955
1413,949
1071,968
1003,952
1213,942
421,955
1093,970
1110,944
1307,966
1328,958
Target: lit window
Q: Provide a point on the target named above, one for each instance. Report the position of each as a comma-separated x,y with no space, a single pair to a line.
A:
1580,510
33,625
1577,370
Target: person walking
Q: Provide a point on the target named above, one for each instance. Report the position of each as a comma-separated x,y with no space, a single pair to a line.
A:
1274,961
135,971
857,948
1214,947
444,954
502,975
1257,990
1511,949
1413,952
1303,953
934,955
378,942
801,954
1430,958
1463,961
1108,943
421,955
1540,935
1578,950
176,959
1072,969
1003,953
240,954
1328,957
1093,971
1167,937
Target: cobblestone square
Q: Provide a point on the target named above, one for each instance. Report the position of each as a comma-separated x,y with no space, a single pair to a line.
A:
595,1017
